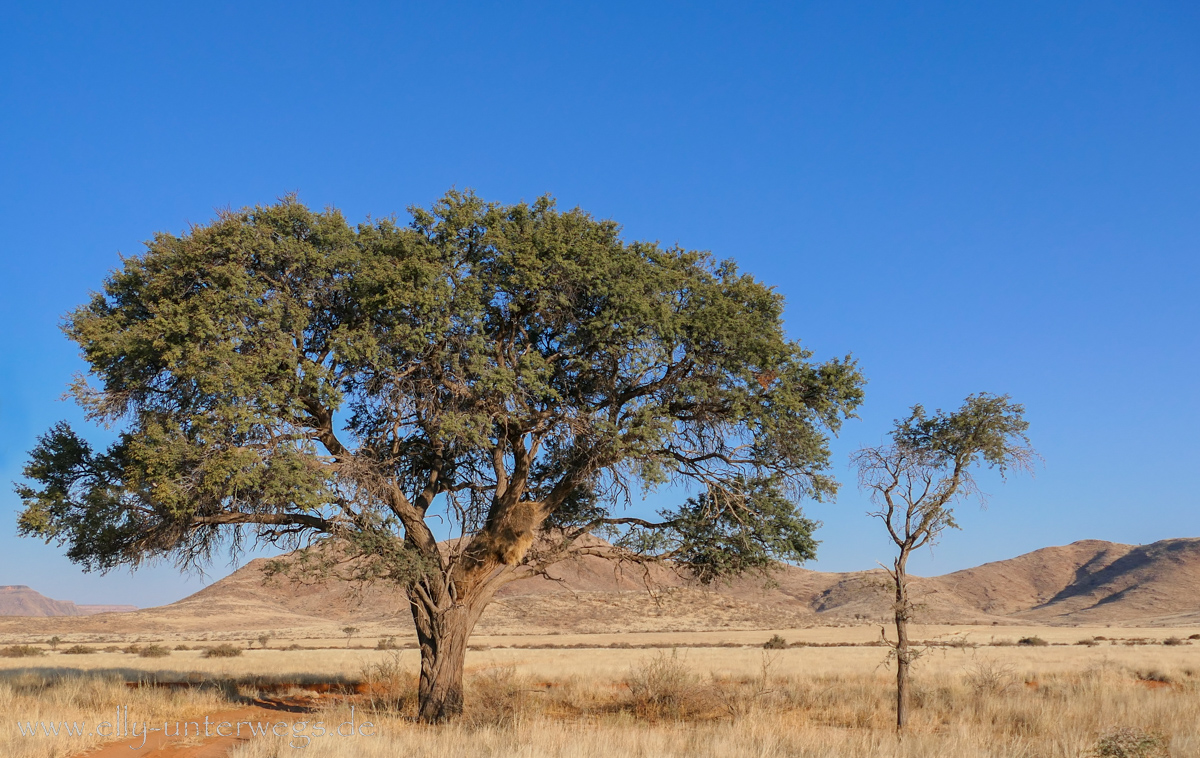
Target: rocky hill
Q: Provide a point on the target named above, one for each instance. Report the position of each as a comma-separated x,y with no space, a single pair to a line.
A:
1089,583
19,600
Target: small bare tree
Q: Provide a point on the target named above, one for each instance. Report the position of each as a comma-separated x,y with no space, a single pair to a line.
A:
916,477
349,631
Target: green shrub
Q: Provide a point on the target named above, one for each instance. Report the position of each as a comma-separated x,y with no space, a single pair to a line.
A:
775,643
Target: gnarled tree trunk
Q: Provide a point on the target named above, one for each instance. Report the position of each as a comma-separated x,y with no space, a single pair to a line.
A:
442,636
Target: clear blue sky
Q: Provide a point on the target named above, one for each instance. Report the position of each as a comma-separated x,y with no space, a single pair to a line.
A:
967,196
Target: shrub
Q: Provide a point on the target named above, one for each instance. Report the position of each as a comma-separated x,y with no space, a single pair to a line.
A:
294,646
664,687
78,650
389,685
987,677
224,650
1131,742
775,643
1171,641
182,647
1154,675
154,651
21,651
500,697
1032,641
1194,636
133,649
386,643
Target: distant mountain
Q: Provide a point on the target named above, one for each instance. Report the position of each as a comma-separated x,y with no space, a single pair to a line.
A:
1088,582
19,600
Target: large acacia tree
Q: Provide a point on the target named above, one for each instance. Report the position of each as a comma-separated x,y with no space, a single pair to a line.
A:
516,371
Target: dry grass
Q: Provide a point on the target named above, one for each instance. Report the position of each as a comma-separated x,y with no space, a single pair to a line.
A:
977,704
1055,701
73,696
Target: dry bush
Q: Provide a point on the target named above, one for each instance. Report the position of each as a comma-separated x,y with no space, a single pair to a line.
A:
154,651
224,650
21,651
664,687
386,643
1032,642
390,686
1131,742
497,697
78,650
987,677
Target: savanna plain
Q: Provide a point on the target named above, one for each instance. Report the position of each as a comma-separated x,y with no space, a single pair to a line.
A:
818,691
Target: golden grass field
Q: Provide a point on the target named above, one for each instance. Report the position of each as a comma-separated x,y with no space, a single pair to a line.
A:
526,698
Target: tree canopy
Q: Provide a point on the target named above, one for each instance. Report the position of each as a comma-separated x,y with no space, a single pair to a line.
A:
519,370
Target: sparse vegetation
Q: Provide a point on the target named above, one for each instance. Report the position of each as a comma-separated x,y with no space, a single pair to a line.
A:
1132,742
775,643
224,650
21,651
154,651
78,650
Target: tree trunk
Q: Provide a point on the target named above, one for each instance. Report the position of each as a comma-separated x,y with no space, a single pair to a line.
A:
443,639
903,655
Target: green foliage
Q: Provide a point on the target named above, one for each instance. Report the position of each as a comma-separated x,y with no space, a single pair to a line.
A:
283,372
931,460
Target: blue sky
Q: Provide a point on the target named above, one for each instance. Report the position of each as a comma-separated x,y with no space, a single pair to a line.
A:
966,196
